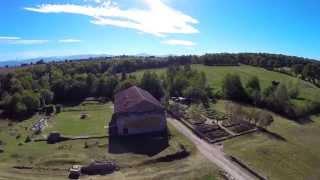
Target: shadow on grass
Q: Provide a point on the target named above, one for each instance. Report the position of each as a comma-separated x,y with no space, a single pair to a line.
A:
181,154
15,117
273,135
146,144
304,120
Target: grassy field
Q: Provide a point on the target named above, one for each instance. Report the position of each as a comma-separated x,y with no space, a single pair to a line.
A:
296,158
56,158
216,74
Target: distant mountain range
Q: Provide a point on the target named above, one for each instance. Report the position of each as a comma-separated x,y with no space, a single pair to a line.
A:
49,59
12,63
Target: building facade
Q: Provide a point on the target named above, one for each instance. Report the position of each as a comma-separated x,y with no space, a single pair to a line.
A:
136,111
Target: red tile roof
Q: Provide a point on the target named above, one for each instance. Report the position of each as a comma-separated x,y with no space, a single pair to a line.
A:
135,99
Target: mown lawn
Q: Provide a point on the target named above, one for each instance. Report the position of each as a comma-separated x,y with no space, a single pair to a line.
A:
63,155
70,123
297,158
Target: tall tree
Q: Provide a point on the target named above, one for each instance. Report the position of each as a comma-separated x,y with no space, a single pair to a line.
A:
152,84
233,89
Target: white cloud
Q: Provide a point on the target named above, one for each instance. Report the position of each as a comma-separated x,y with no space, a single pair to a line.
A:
177,42
29,41
8,38
69,41
158,18
18,40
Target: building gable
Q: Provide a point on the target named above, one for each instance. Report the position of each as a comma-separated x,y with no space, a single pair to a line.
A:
135,99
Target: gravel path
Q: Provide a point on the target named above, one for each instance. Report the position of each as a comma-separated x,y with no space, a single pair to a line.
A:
213,153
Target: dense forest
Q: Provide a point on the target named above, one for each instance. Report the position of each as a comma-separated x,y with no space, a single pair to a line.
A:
27,89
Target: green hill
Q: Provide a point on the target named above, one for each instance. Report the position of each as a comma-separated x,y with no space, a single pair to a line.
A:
296,158
216,74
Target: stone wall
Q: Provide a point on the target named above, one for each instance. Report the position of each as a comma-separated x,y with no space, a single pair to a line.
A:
139,123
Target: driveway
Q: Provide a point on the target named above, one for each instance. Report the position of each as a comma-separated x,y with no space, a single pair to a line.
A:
213,153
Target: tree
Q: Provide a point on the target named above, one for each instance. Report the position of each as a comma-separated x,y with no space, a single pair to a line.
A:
253,89
152,84
297,69
293,89
30,100
107,86
281,95
179,83
264,119
253,83
307,72
92,84
125,85
46,96
233,89
20,108
15,86
196,95
59,88
77,90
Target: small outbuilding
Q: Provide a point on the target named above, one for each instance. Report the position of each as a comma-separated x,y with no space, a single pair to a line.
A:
136,111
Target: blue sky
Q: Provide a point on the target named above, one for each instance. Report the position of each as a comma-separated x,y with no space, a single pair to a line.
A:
38,28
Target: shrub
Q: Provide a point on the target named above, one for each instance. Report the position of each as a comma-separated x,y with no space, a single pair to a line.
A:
58,108
86,145
28,139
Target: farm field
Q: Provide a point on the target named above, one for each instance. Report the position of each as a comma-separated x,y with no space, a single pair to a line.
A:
51,161
296,158
216,74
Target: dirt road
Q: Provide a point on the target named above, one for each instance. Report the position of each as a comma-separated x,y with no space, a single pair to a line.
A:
213,153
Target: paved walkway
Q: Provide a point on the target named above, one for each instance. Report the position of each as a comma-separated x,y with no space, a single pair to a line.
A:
213,153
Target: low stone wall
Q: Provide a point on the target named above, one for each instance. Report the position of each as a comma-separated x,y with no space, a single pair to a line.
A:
71,138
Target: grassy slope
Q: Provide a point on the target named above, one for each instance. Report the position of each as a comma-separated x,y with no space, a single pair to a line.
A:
216,74
63,155
298,158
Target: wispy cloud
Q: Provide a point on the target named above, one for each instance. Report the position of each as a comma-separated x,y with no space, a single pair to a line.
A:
8,38
177,42
29,41
18,40
157,19
69,41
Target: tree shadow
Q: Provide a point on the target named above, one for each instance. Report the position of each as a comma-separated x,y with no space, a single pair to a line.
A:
304,120
16,117
146,144
273,135
300,98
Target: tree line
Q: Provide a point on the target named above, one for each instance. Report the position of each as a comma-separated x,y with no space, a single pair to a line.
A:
277,97
28,88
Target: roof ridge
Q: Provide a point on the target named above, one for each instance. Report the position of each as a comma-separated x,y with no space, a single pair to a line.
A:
134,96
144,97
138,90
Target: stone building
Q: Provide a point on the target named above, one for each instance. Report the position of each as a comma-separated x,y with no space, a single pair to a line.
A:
136,111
